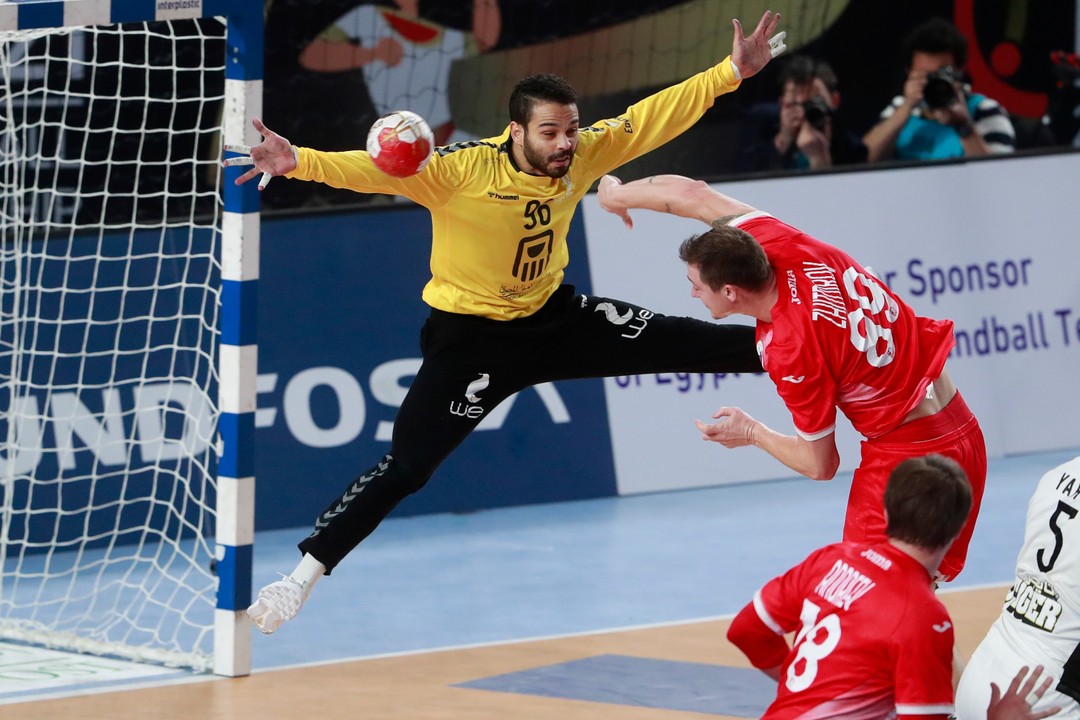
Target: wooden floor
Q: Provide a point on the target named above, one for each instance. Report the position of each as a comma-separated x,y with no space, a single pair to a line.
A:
425,686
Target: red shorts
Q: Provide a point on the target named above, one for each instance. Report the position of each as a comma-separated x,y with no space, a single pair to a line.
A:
955,433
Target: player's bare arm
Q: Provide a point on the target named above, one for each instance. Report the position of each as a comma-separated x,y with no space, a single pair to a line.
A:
672,194
272,157
751,53
816,459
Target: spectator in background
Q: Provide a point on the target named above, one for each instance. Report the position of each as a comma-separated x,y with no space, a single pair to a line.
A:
1040,622
802,131
1062,118
938,116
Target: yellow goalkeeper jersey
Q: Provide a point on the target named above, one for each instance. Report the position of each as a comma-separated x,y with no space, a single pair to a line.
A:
498,245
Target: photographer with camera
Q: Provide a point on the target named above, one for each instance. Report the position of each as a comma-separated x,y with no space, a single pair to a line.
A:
938,117
803,130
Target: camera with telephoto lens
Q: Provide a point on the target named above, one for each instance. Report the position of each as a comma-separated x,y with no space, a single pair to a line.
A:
817,112
940,89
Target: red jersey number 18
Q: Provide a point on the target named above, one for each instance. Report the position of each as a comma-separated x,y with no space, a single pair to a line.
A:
815,640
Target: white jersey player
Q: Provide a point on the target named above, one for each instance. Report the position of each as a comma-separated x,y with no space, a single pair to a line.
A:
1040,623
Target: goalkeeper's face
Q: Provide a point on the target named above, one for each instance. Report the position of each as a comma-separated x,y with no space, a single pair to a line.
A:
547,144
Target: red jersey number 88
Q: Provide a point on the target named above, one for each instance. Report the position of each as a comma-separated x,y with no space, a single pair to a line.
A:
869,322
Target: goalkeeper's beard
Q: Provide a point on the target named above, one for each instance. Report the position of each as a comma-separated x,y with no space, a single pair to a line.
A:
544,164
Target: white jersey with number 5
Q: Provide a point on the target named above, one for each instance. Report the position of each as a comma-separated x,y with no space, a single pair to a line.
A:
1040,623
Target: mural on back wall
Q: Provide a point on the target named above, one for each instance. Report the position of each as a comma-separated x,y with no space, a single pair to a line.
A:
334,66
405,59
1009,51
1021,53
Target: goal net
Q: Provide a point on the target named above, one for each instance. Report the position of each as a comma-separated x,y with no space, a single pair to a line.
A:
111,217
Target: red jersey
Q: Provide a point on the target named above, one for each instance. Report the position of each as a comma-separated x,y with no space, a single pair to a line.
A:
872,641
840,338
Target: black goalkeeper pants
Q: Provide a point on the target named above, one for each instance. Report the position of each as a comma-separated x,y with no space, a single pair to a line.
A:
471,364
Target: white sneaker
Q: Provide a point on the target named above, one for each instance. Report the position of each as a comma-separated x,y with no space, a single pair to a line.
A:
278,602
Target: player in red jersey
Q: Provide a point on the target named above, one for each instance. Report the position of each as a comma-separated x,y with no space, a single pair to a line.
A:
830,335
872,640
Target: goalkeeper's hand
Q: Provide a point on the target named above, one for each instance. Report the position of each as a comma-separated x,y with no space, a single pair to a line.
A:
272,157
751,54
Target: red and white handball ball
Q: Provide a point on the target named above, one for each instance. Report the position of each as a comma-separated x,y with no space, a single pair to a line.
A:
400,143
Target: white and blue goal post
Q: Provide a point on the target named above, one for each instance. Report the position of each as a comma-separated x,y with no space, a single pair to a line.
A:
239,349
233,522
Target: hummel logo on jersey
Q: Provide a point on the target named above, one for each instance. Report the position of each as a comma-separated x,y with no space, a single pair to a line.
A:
478,385
943,626
497,196
793,379
612,314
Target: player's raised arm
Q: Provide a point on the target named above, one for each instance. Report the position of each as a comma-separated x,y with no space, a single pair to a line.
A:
750,53
272,157
672,194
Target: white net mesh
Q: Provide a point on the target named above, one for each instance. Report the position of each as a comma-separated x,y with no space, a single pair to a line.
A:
110,226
